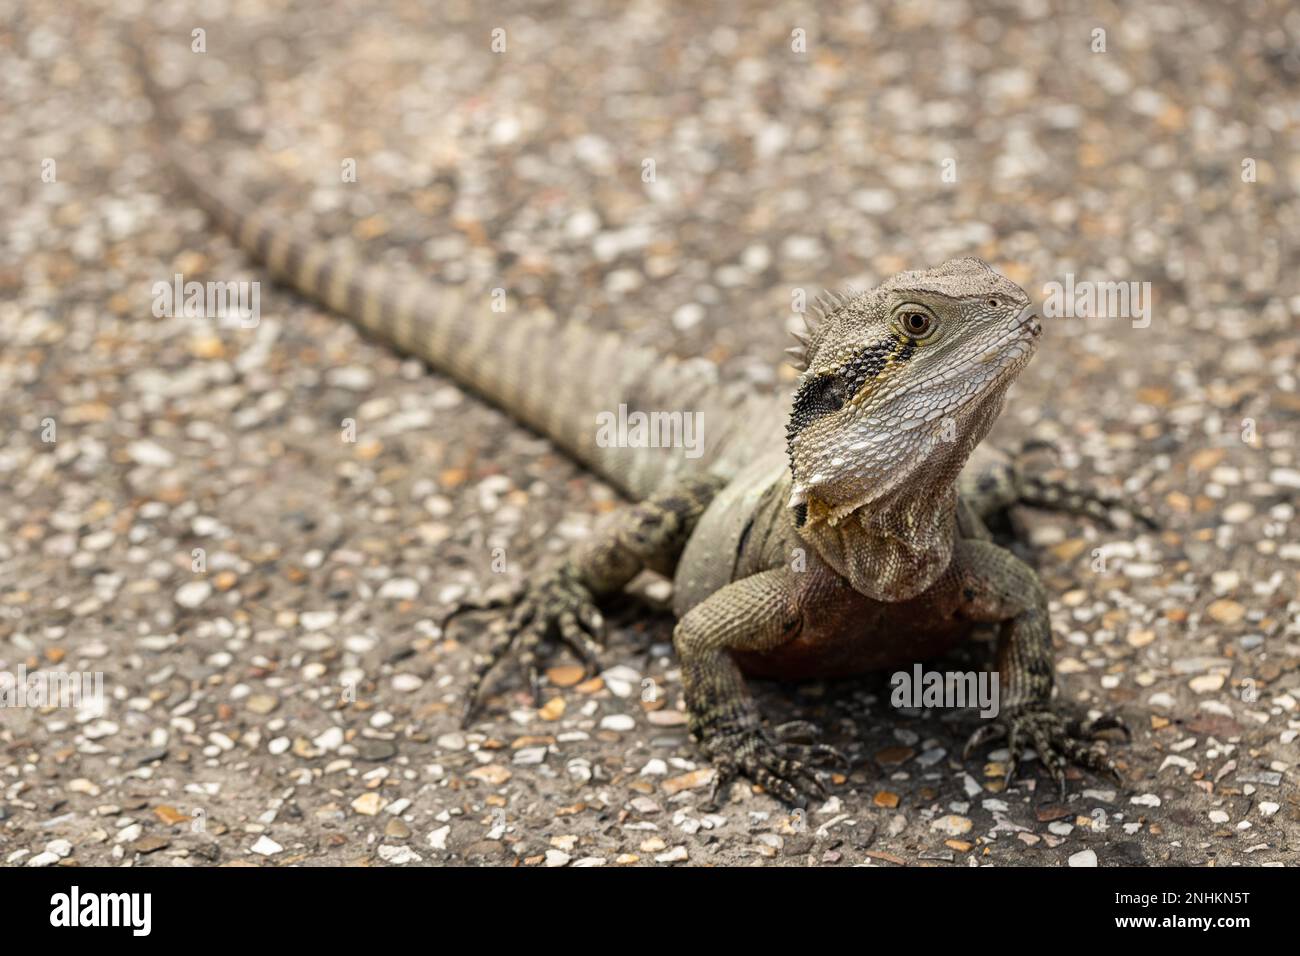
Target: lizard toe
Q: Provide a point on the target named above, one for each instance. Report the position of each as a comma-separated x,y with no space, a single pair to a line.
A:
482,604
580,641
1060,743
986,733
1090,757
817,754
1048,746
797,731
724,774
1090,729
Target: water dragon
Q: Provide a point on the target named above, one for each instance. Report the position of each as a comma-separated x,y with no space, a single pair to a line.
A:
839,529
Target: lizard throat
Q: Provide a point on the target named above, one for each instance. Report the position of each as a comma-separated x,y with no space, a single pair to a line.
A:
892,549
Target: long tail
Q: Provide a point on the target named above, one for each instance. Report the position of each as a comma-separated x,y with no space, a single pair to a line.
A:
555,378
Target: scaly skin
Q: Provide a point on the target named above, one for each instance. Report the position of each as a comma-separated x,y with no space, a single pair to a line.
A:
863,546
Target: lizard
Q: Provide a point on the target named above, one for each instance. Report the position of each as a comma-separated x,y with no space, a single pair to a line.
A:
834,530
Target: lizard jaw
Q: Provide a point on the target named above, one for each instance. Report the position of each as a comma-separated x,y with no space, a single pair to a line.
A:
1011,357
1007,356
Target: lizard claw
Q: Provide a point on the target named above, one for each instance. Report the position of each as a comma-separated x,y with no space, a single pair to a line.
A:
782,769
1057,741
554,606
480,605
986,733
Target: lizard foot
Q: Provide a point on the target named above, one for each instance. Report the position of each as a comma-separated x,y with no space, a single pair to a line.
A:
554,605
784,769
1057,740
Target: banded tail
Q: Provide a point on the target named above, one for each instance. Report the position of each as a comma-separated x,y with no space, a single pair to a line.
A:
555,378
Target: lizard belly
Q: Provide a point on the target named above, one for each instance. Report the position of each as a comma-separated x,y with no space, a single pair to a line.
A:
840,631
843,633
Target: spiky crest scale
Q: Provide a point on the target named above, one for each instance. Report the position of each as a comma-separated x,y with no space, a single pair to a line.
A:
824,306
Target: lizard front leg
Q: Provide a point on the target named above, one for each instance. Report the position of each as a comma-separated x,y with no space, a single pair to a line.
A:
756,613
561,602
997,587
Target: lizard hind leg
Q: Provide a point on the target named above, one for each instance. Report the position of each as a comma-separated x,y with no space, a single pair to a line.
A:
560,604
1060,494
995,481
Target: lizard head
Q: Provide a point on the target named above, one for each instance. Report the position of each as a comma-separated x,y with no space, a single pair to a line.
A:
899,384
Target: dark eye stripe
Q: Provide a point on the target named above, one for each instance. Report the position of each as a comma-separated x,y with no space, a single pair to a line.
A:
867,364
828,393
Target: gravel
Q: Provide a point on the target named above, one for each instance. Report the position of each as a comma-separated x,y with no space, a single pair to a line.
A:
179,515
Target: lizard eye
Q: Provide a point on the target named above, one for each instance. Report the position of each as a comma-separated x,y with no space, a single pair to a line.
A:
916,324
995,302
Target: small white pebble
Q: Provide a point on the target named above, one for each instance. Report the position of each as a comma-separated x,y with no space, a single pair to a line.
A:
265,846
193,594
1084,858
617,722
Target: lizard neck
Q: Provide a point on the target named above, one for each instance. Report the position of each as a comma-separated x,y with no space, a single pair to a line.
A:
894,548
